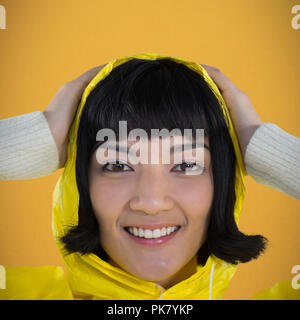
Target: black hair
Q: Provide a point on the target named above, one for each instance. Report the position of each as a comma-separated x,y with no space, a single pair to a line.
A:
161,94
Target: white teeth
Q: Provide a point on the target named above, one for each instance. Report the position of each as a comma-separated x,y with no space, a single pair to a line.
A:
156,233
149,234
141,232
135,231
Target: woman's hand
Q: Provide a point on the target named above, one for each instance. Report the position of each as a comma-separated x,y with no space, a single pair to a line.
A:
244,117
62,109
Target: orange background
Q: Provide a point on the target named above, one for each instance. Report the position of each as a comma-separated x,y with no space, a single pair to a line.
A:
48,43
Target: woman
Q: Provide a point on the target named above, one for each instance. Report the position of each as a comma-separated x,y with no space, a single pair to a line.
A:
208,238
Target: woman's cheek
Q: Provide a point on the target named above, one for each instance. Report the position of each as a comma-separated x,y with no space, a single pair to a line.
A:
197,195
108,198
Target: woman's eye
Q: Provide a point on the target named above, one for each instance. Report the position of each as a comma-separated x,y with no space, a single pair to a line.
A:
116,166
191,166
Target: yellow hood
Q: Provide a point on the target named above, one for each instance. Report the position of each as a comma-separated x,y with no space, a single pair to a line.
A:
90,276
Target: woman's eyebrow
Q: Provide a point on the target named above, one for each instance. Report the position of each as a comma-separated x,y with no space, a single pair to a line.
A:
176,148
188,146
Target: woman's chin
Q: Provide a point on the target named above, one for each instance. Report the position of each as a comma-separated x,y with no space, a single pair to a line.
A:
154,273
155,277
165,272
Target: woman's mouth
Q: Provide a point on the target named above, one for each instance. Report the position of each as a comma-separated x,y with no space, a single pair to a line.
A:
152,237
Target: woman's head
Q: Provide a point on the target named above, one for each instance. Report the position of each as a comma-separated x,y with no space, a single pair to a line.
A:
157,94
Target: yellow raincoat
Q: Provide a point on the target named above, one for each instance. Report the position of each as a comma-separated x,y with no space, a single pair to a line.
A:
89,277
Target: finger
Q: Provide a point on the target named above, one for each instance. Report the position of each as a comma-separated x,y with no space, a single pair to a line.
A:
222,81
90,74
212,72
95,70
206,66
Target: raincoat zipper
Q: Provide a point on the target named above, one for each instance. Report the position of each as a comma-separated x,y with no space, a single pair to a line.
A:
162,291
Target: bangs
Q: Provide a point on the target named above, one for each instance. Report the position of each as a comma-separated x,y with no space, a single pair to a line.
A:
152,94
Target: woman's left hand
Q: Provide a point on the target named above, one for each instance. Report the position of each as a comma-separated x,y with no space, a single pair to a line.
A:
245,119
62,109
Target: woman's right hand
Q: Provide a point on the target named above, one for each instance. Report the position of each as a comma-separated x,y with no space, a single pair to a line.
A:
62,109
245,118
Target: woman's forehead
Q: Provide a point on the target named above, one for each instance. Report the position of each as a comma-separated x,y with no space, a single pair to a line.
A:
172,142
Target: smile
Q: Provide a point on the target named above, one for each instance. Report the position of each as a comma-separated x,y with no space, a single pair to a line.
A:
150,234
152,237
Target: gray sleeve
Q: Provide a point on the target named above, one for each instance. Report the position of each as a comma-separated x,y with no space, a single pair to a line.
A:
27,147
272,159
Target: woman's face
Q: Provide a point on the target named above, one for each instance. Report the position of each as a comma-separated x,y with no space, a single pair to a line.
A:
150,199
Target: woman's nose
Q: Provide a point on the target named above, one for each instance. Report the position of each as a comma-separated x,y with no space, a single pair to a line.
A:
151,194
